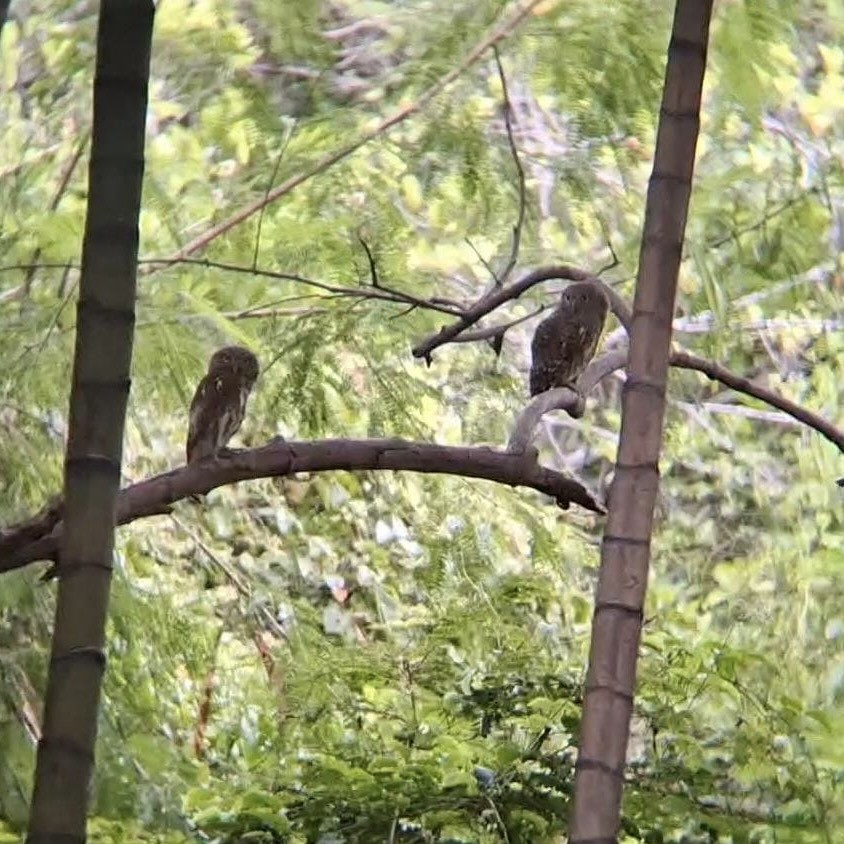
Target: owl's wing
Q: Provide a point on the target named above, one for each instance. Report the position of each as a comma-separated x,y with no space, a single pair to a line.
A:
201,416
544,352
590,340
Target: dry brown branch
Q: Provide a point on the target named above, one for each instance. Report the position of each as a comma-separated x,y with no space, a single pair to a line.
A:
374,291
716,372
500,295
499,33
25,544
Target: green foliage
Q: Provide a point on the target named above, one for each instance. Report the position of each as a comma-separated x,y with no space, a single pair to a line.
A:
394,657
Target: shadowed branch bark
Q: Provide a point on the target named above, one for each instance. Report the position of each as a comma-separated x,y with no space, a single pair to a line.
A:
39,538
625,549
98,396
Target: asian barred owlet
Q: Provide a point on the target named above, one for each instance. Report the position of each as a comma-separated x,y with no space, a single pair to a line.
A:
219,402
565,342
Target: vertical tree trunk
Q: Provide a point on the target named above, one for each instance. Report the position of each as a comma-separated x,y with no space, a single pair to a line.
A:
625,551
99,391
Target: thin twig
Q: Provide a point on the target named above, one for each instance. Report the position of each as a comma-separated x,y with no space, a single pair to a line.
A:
381,293
486,265
772,416
614,261
520,219
705,323
64,181
269,188
501,825
373,269
502,31
763,220
231,575
496,332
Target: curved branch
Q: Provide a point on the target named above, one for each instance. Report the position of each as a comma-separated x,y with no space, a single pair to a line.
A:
500,295
562,398
24,544
716,372
492,300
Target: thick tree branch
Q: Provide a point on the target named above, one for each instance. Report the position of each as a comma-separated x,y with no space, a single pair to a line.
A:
25,543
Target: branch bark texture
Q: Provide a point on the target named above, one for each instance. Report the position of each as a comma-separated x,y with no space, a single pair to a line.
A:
39,538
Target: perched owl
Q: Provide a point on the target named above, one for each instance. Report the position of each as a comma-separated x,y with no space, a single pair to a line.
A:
565,342
219,402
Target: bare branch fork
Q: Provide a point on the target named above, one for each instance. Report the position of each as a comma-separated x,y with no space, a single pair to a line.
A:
38,538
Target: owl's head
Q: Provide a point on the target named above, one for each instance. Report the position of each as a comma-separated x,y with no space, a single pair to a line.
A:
234,360
585,295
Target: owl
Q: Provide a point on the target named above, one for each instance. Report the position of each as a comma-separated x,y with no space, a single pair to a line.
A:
565,342
219,402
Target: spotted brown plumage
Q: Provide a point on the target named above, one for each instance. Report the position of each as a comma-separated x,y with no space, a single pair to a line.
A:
219,402
565,342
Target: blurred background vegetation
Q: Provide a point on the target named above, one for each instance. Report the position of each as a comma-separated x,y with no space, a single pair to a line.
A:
399,657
